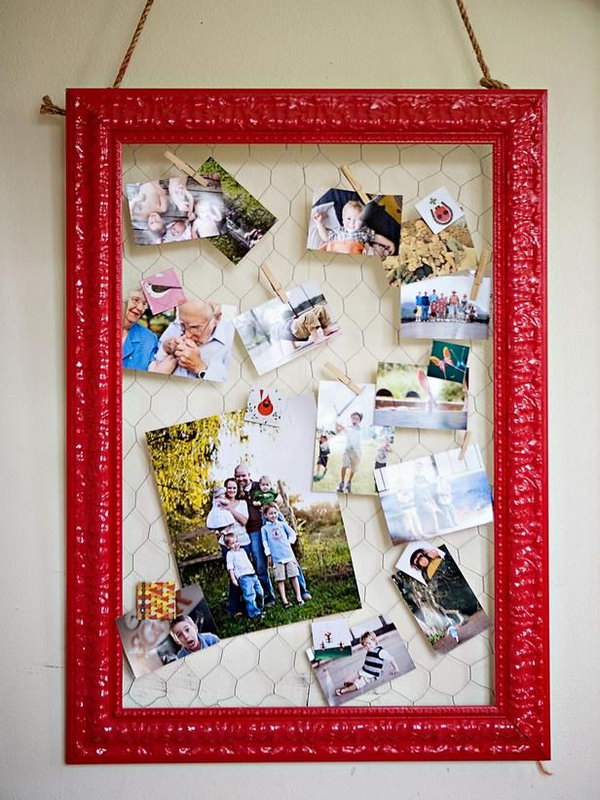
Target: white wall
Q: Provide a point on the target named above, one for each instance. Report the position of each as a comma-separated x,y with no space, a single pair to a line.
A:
50,44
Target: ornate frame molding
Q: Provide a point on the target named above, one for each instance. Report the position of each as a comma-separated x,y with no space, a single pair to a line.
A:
99,730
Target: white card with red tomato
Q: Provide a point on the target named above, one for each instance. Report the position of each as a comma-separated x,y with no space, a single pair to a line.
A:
265,406
439,209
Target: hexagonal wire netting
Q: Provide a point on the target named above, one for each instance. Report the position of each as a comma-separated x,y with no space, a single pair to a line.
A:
270,668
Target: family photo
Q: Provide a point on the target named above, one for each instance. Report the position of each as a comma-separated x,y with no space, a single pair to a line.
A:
441,307
275,332
435,495
194,340
348,447
214,206
341,223
244,523
149,644
423,254
377,655
438,596
406,398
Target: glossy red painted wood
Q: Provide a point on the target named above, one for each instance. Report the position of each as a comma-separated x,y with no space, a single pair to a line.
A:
98,728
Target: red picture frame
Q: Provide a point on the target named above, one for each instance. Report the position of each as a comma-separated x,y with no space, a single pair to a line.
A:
99,729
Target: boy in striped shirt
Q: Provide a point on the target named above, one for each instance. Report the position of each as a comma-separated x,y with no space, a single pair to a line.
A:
373,665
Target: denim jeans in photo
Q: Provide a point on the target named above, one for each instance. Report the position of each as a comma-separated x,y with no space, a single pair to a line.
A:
251,592
260,565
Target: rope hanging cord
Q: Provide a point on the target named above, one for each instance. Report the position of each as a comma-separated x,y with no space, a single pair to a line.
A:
48,107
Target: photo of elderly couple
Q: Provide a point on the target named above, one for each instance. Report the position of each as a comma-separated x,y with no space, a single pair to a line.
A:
193,340
179,209
244,523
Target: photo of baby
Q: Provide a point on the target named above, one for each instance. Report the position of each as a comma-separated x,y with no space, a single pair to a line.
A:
423,254
214,206
276,332
435,495
438,596
378,654
194,340
341,223
406,398
348,446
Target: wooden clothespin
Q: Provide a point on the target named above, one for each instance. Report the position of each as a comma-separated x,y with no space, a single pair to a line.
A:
352,180
275,285
341,376
464,445
483,260
181,165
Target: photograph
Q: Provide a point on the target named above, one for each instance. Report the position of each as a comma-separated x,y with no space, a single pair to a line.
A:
439,209
423,254
331,638
435,495
179,209
348,447
441,307
341,223
448,361
149,644
438,596
194,340
406,398
155,600
163,291
275,332
378,656
265,406
244,523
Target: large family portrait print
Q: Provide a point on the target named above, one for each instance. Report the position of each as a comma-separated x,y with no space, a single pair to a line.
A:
406,398
276,332
423,254
435,495
193,340
340,222
438,596
245,524
180,208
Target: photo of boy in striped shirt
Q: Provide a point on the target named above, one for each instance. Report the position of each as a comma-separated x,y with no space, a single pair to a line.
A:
375,660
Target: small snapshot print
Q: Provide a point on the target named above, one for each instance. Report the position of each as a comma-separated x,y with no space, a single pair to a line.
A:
439,209
276,332
149,644
348,447
341,223
435,495
424,254
442,307
265,406
378,655
406,398
163,291
448,361
155,600
438,596
331,638
180,209
194,340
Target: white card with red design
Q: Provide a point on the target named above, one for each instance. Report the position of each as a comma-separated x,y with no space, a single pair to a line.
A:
439,209
265,406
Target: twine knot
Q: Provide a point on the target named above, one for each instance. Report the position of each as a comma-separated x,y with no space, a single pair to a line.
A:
49,107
